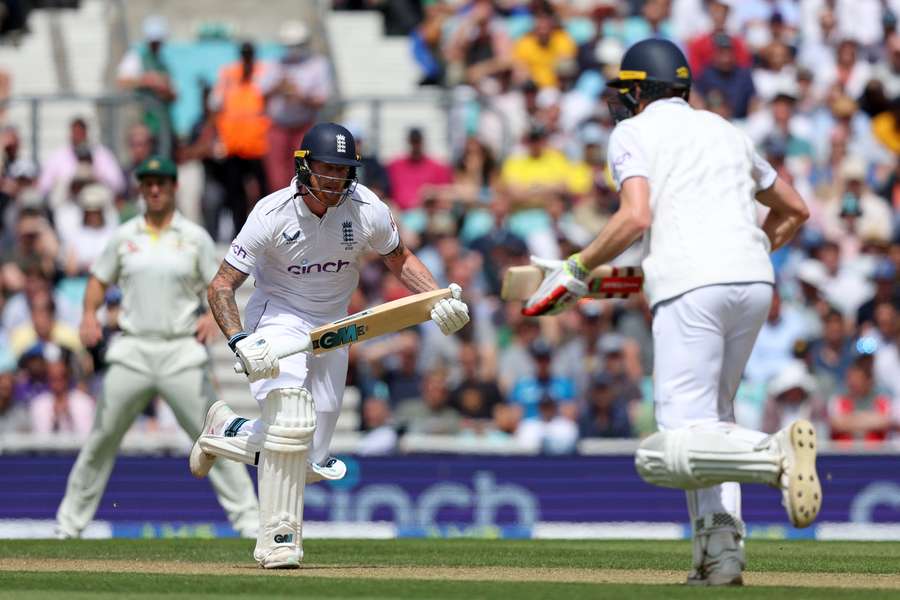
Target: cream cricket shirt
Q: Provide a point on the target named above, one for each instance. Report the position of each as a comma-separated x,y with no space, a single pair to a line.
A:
163,277
305,264
703,174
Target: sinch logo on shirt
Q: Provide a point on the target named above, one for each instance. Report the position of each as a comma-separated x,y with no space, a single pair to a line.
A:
325,267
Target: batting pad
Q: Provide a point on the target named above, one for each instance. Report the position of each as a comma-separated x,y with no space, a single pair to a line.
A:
691,458
290,418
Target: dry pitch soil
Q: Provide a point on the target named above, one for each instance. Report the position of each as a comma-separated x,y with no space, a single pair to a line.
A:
619,576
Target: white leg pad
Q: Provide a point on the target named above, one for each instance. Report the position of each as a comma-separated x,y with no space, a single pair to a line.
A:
290,419
694,457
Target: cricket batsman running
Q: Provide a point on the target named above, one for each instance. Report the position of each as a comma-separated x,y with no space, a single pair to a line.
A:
302,244
687,180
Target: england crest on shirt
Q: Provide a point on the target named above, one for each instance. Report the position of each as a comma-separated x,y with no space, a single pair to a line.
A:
347,235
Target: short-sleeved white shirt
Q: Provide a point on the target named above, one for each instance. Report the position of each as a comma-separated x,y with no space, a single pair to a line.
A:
163,275
306,264
704,174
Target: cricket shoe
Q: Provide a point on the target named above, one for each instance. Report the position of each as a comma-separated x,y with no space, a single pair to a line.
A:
801,490
718,551
216,417
332,470
283,548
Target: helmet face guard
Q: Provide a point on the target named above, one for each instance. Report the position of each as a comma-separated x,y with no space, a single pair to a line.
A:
305,174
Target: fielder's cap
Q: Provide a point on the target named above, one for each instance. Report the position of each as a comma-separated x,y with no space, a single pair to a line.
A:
884,270
540,348
793,375
155,28
95,196
293,33
812,272
853,169
157,165
611,343
23,168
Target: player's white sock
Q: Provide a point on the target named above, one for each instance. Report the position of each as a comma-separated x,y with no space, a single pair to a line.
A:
697,457
238,427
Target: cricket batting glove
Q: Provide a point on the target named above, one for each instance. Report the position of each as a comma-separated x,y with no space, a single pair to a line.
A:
256,354
562,287
451,314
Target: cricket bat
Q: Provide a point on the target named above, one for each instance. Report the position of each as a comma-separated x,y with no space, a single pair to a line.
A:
364,325
604,282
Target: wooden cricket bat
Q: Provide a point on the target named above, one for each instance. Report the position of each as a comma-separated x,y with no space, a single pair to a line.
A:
364,325
605,282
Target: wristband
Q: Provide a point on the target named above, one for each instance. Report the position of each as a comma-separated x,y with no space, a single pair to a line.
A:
233,340
576,267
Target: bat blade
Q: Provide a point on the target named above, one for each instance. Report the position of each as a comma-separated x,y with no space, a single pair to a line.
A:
378,320
605,282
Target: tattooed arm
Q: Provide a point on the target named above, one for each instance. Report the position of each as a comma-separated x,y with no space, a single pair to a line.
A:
409,269
220,294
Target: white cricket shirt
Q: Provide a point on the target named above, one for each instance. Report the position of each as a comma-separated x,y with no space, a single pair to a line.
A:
306,264
163,275
703,174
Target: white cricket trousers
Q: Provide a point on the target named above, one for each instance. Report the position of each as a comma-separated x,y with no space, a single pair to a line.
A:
701,343
126,392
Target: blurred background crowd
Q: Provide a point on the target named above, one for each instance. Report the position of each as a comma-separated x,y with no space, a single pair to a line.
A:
814,83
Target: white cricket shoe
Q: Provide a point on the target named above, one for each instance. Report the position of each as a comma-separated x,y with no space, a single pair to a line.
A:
280,548
282,558
200,461
801,490
718,551
332,470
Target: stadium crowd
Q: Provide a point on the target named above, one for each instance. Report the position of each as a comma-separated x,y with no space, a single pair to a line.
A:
814,83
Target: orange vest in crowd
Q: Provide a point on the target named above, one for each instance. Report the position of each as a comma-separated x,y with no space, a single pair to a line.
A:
242,122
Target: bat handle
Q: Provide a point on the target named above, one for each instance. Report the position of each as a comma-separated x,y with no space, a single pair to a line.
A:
301,343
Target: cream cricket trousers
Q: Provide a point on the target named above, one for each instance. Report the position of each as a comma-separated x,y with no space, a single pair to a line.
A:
126,391
701,343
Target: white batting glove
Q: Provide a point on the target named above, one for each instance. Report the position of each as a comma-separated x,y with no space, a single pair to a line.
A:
256,355
451,314
562,287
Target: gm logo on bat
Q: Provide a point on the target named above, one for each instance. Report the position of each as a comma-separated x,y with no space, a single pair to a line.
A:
339,337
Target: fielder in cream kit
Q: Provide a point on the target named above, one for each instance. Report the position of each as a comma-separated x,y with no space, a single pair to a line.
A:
302,244
162,262
687,181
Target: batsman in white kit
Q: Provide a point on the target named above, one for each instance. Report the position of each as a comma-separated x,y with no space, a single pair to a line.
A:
687,181
302,244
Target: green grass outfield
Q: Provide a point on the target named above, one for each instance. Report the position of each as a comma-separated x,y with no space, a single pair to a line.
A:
436,568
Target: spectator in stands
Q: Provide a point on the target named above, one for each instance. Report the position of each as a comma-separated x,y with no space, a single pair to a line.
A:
854,198
860,413
93,230
773,346
372,173
726,76
844,286
499,247
380,436
607,413
653,21
529,391
145,71
515,362
549,430
884,275
430,414
35,244
531,178
848,70
411,173
702,48
43,329
17,189
479,47
63,408
620,358
776,71
539,52
62,164
832,355
296,88
238,101
792,395
475,396
141,145
887,70
17,309
13,415
426,40
402,376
